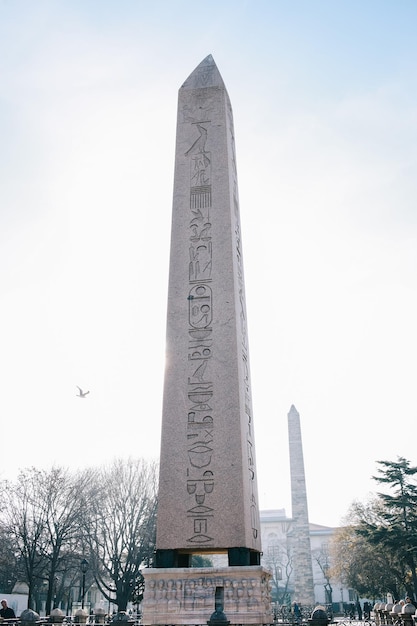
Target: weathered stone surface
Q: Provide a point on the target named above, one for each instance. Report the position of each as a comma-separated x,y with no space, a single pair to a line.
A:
29,617
207,491
187,595
300,532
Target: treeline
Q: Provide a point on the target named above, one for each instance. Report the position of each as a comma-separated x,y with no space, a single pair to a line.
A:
50,520
375,553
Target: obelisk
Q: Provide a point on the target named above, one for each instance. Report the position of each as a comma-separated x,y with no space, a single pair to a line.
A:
299,535
208,500
207,491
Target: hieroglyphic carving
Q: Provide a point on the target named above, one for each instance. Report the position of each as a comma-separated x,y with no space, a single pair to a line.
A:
200,262
200,391
200,388
200,197
200,111
192,594
244,333
198,147
200,306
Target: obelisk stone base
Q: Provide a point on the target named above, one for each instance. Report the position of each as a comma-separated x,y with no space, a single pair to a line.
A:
191,595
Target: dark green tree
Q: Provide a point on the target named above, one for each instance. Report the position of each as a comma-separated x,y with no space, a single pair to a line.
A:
398,527
376,551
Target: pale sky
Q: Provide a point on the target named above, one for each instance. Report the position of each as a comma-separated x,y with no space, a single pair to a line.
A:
324,95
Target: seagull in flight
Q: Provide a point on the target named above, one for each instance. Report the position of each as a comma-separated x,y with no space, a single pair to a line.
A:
82,393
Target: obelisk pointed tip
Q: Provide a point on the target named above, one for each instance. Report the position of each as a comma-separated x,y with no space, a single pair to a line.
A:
293,411
208,60
205,74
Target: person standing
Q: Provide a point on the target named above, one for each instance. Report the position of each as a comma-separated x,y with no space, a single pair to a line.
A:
6,612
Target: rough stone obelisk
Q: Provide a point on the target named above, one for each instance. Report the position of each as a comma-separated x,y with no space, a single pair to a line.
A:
299,535
207,500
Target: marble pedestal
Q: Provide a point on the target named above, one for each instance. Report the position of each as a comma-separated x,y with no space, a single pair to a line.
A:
191,595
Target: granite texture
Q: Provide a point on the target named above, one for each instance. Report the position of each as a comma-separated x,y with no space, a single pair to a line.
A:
188,595
207,490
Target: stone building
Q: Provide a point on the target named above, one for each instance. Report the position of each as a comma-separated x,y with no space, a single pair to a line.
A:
276,533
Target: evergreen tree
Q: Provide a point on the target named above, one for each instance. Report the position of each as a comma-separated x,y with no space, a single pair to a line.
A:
396,526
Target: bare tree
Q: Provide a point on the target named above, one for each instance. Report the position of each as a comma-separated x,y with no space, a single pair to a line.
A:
279,560
43,519
322,558
53,519
120,527
62,501
370,569
9,560
26,526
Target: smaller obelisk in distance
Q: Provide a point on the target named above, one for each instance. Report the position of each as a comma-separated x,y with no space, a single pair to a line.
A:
300,533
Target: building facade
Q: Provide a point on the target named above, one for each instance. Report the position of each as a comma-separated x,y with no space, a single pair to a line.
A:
277,535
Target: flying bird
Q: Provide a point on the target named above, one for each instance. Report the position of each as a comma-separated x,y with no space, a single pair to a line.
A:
82,393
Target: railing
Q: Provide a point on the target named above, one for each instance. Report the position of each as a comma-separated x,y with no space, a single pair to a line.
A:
284,615
117,619
352,621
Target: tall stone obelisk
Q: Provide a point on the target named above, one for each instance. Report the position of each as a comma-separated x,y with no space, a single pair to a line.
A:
207,491
299,535
207,500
